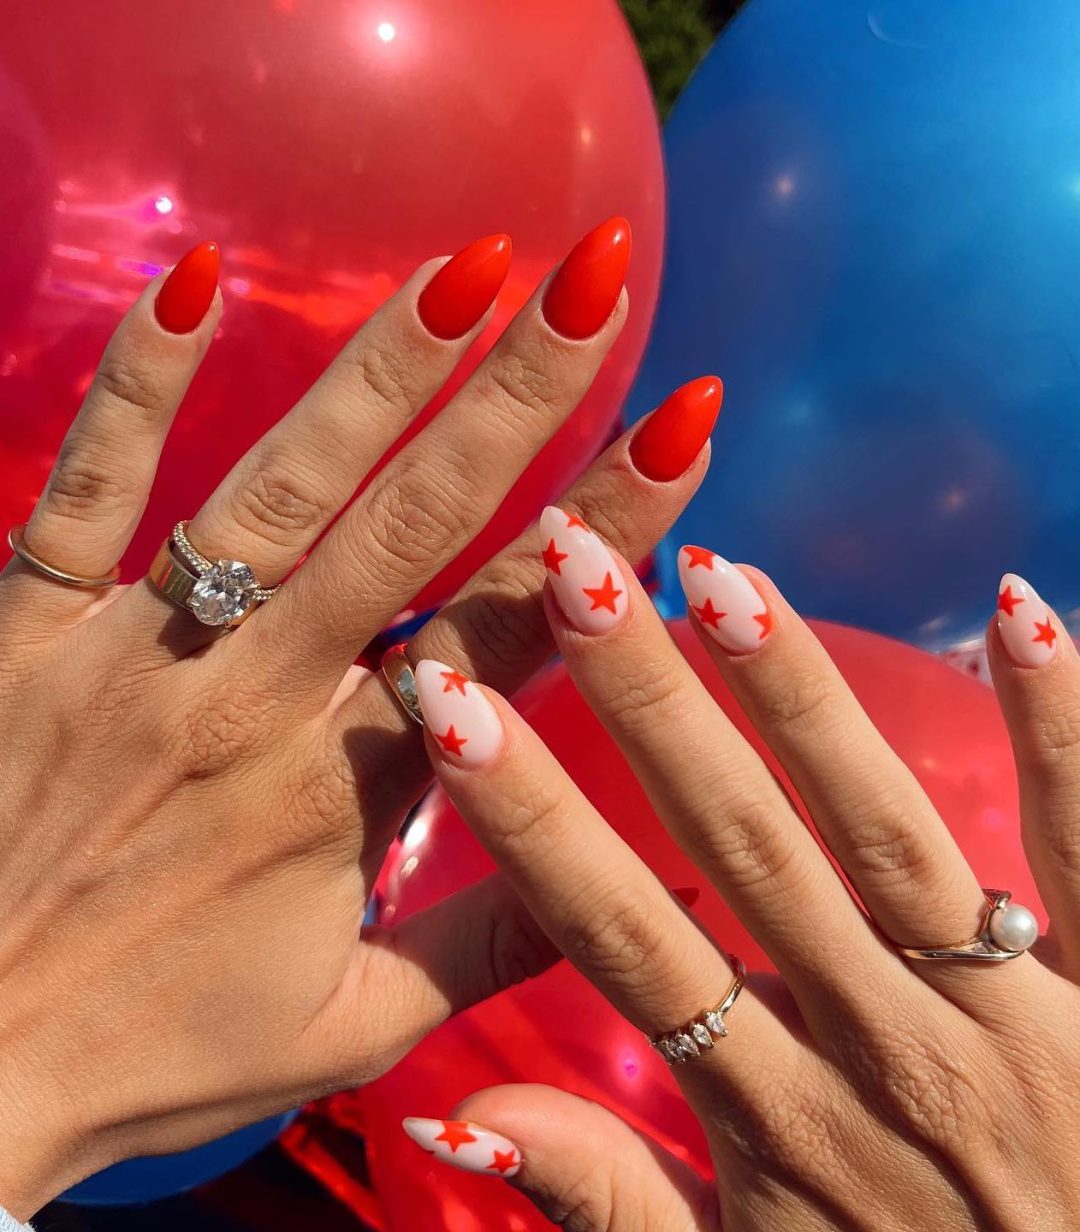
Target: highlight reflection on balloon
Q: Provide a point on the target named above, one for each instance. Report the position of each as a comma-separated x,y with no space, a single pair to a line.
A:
329,148
558,1029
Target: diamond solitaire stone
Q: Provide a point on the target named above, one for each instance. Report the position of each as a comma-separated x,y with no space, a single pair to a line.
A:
224,594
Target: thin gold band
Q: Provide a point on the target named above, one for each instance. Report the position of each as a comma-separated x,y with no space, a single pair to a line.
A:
700,1033
17,542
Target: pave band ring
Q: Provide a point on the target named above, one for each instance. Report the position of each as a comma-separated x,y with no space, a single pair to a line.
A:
1007,931
700,1033
218,593
398,673
17,542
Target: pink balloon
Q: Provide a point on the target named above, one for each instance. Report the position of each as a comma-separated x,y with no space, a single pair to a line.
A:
558,1029
329,146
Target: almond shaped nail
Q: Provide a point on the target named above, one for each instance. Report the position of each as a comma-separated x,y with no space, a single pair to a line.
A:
465,1145
464,723
586,287
724,600
666,444
1026,624
186,295
585,578
464,288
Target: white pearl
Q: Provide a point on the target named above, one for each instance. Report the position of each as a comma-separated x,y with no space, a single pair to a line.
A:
1014,928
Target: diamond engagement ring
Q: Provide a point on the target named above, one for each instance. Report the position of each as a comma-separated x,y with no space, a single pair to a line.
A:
700,1033
218,593
1007,931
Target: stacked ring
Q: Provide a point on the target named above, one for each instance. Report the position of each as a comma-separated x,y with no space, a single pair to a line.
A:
218,593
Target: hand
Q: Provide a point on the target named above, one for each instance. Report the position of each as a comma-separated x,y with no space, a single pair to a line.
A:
189,822
860,1089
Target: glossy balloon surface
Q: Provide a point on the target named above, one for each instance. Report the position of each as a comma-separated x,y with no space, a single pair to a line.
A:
558,1029
330,147
874,219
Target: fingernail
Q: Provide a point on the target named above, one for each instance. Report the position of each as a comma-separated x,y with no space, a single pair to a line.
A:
465,1145
587,285
1025,622
724,600
671,438
465,287
459,716
587,582
186,295
687,895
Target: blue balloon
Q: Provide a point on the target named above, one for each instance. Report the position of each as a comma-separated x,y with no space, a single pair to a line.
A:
874,238
144,1180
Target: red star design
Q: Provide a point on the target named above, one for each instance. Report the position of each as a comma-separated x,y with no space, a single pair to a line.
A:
572,519
452,743
708,615
455,1133
699,556
504,1161
1047,633
603,596
552,556
765,620
454,680
1007,601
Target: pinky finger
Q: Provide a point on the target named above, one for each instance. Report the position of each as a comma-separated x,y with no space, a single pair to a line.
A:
1036,672
585,1169
99,486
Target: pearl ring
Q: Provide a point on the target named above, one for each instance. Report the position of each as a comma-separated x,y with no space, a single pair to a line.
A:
1008,930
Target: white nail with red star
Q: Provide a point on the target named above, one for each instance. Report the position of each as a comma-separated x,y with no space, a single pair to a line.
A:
464,723
465,1145
584,575
724,600
1026,624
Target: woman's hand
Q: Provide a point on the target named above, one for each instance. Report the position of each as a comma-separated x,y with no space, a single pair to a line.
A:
190,823
861,1089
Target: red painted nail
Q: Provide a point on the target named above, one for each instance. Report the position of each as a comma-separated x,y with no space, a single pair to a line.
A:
587,285
465,288
675,433
187,293
687,894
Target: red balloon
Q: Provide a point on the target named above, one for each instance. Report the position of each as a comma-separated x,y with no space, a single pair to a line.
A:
557,1029
329,146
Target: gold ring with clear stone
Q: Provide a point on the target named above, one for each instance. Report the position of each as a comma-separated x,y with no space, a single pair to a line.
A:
220,593
397,670
700,1033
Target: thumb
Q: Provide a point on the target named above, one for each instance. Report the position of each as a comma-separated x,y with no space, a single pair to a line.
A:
587,1170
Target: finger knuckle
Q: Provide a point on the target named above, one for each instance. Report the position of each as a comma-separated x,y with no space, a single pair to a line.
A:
417,516
523,387
81,483
882,843
805,703
134,384
616,938
650,697
507,619
1057,741
749,848
278,504
380,375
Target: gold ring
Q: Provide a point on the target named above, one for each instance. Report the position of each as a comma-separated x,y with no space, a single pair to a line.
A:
1007,931
17,543
700,1033
398,673
220,593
